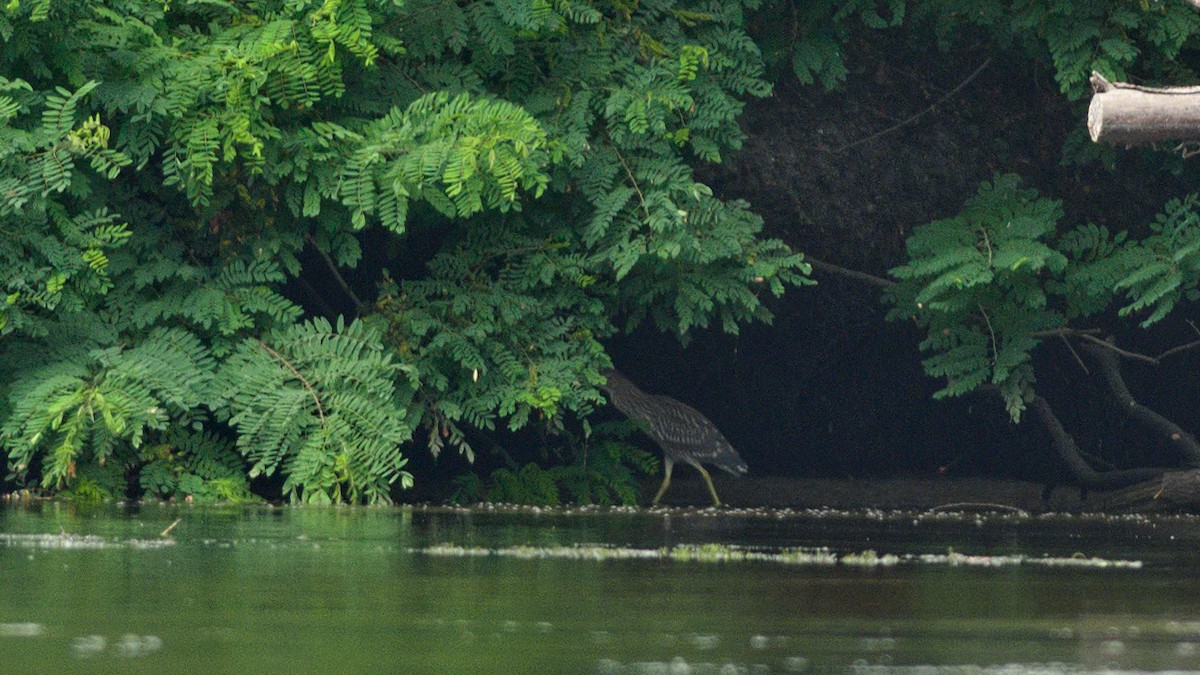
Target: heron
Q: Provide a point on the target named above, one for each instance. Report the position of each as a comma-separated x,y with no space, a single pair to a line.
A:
683,433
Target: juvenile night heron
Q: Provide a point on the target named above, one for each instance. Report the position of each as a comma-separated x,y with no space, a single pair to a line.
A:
680,430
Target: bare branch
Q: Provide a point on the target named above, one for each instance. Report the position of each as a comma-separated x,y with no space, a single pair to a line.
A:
1068,453
1183,442
852,274
1127,354
921,114
1074,353
1180,348
1064,330
1089,334
337,276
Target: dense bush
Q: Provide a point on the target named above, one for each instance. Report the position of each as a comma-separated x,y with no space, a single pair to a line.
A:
166,166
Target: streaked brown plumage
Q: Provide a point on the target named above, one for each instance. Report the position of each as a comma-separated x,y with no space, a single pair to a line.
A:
683,433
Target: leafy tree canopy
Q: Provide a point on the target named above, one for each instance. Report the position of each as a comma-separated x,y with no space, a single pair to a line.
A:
166,165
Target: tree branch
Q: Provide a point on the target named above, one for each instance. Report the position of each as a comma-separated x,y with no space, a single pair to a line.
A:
1183,442
1108,345
632,181
316,298
1064,330
303,381
1181,348
849,273
337,276
1087,477
1089,334
1078,360
921,114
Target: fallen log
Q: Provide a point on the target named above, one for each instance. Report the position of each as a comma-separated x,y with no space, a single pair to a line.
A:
1173,492
1128,114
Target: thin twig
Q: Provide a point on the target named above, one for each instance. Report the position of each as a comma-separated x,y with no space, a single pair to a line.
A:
1187,149
1089,334
1074,353
1175,350
853,274
1185,347
307,385
978,506
167,532
1064,330
1127,354
633,182
337,276
921,114
992,332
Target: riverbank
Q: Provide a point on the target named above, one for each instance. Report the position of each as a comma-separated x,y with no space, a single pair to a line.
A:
885,493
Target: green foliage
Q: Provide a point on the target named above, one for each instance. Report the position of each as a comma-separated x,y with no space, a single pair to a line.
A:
322,402
1164,268
499,333
88,490
97,405
991,283
974,283
518,303
1152,275
459,154
1121,40
63,266
166,165
808,36
528,485
699,265
600,467
607,467
197,465
39,161
1095,268
1075,37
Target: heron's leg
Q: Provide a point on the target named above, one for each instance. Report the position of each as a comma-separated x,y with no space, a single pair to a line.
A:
708,479
667,464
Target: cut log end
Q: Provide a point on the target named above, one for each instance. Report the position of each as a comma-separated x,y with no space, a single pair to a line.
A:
1095,118
1129,116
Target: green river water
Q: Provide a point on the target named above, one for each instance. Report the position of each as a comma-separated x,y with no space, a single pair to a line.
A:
431,590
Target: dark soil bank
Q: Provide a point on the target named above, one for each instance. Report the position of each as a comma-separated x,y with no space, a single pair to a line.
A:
891,493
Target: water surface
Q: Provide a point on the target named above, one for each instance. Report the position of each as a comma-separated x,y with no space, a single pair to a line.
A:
416,590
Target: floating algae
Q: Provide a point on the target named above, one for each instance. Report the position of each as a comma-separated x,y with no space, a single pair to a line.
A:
86,542
721,553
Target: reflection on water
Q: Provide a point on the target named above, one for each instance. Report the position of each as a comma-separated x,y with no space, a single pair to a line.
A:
606,591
